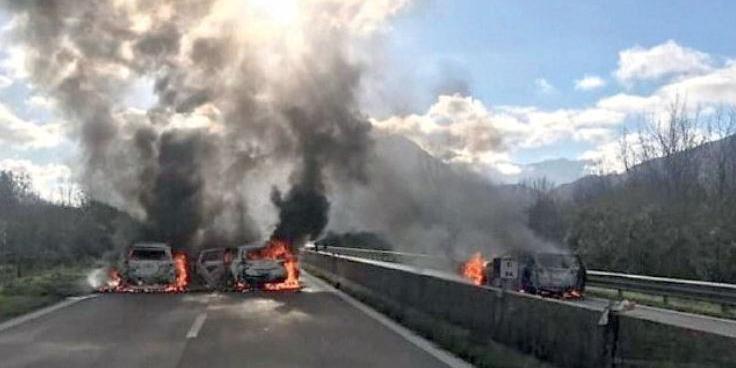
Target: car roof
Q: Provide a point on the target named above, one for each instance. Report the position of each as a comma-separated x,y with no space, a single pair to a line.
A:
520,252
150,245
252,246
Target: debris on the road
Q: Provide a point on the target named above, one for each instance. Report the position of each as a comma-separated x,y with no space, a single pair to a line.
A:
621,306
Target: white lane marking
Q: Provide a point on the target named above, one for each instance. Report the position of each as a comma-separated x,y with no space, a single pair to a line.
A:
43,311
197,325
418,341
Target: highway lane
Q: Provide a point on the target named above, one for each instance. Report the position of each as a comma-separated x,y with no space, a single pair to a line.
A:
312,328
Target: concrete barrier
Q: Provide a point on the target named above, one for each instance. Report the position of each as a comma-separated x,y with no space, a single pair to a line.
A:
646,343
564,333
551,330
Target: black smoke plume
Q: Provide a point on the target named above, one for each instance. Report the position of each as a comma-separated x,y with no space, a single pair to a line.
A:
240,108
242,104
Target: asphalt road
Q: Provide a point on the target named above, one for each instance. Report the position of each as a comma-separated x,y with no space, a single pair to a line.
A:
312,328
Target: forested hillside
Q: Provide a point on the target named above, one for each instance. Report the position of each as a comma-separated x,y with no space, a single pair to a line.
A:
35,233
671,213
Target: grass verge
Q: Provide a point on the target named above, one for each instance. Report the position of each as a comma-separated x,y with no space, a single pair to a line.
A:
39,289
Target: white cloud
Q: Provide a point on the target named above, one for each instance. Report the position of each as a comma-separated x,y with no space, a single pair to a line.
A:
589,82
40,102
529,127
508,168
455,129
543,86
18,133
606,157
48,180
667,59
715,87
14,64
5,82
628,104
595,134
463,130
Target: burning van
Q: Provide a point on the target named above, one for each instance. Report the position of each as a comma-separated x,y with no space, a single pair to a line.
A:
249,267
148,265
557,274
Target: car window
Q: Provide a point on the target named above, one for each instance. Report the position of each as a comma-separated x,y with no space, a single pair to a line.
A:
148,254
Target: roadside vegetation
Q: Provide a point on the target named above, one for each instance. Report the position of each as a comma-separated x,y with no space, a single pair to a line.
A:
672,212
47,248
36,289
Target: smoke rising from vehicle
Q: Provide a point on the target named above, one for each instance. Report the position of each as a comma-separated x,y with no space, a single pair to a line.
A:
240,87
251,98
426,206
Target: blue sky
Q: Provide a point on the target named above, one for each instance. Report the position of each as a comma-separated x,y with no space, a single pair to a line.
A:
493,84
502,50
503,46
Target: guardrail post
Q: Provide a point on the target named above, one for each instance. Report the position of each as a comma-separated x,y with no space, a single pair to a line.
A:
620,293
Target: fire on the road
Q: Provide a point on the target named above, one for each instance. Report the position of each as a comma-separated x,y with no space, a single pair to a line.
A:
281,250
116,284
114,281
474,269
276,253
182,273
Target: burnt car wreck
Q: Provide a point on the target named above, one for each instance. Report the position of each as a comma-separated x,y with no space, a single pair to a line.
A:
256,266
148,265
548,274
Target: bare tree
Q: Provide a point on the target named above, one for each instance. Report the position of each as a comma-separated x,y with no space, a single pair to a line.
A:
662,156
545,213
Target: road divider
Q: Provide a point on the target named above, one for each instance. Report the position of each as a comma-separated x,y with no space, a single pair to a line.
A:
710,292
564,333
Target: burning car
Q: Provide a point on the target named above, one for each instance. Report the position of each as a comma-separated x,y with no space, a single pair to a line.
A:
555,274
269,266
148,267
250,269
149,264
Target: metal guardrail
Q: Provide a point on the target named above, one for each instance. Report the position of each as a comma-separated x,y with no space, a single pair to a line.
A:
416,259
712,292
716,293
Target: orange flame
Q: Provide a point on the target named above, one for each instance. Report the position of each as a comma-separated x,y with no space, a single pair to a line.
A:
114,281
182,273
572,294
475,269
281,250
116,284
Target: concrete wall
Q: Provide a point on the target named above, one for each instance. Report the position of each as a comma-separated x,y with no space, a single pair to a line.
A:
551,330
644,343
563,333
